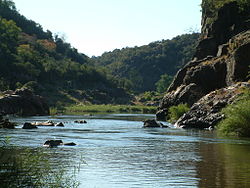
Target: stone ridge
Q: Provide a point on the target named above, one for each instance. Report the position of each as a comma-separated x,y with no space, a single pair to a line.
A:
229,63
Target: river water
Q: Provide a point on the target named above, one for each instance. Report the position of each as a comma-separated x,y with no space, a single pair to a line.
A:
115,151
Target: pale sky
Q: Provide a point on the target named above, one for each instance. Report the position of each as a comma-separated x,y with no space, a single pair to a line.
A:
98,26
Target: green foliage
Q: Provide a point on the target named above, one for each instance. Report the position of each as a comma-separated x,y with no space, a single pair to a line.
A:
175,112
237,118
141,67
30,57
163,83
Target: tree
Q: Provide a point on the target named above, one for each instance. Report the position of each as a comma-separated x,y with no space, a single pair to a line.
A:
163,83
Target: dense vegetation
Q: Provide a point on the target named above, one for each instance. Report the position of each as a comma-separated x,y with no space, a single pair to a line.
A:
140,68
237,117
175,112
30,57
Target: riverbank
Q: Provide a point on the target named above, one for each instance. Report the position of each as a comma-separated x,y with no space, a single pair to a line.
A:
85,109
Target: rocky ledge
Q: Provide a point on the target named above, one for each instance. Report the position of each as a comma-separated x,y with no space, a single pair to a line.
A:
206,112
208,82
23,102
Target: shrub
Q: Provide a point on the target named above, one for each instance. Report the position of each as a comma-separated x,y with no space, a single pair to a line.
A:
237,119
175,112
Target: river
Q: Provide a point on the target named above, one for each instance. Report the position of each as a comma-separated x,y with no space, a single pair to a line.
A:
114,150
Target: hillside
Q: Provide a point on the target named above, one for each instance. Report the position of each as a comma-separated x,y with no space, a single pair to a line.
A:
51,67
139,68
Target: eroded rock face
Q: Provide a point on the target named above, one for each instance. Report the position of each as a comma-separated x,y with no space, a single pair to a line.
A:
206,112
227,64
229,22
23,102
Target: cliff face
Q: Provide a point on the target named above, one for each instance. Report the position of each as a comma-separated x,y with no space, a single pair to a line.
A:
222,58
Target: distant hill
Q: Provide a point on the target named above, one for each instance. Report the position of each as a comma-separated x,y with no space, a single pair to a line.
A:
139,68
33,58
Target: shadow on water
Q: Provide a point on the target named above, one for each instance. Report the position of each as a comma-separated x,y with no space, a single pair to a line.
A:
32,167
224,165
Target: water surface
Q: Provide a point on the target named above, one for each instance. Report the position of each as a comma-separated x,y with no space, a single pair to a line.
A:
115,151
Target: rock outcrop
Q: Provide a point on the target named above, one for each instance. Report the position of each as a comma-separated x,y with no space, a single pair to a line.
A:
23,102
206,112
222,58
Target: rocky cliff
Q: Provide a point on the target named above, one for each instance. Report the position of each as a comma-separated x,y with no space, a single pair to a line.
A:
222,59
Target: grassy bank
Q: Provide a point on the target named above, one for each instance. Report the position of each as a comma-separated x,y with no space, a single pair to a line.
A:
175,112
237,118
83,109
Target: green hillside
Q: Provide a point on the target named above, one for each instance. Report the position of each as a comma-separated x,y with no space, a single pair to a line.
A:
30,57
139,68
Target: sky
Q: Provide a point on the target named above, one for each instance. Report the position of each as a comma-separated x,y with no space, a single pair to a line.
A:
97,26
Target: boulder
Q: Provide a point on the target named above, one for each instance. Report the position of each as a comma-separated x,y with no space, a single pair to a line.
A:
69,144
80,121
60,124
152,123
46,123
161,115
183,94
23,102
29,126
53,143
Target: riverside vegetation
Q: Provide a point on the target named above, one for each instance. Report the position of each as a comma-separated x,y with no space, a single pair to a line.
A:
21,167
237,117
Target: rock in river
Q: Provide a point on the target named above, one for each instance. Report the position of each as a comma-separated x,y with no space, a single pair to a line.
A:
29,126
150,123
55,143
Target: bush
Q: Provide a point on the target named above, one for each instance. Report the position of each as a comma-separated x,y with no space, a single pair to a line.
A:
175,112
237,119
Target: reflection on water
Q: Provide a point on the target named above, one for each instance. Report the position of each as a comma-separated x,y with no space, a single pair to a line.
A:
117,152
224,165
